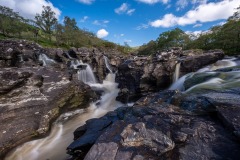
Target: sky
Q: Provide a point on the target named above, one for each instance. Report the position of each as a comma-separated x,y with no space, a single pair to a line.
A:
133,21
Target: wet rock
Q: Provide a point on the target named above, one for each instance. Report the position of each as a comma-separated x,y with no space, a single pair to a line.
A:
143,75
193,63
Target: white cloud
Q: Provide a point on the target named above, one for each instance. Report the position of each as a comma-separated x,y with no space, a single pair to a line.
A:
181,4
203,13
102,33
142,26
86,1
101,22
168,20
153,1
197,25
194,34
221,23
130,11
84,19
124,9
122,35
29,8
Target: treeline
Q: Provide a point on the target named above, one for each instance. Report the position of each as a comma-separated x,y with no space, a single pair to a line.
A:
226,37
46,30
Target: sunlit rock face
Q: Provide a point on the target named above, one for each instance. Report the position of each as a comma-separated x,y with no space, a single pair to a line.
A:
165,125
142,75
34,90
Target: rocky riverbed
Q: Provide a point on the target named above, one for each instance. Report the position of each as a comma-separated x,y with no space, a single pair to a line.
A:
38,84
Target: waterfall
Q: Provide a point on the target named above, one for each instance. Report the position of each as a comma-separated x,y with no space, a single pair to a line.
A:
45,59
86,75
177,71
54,146
218,65
107,64
179,84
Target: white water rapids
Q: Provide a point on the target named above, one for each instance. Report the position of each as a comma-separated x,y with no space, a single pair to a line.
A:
53,147
218,65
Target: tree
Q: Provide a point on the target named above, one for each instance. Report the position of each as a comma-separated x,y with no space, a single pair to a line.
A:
46,21
173,38
70,30
11,22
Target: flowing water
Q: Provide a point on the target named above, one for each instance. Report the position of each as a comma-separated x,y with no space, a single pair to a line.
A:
177,72
179,84
107,64
54,146
45,59
86,75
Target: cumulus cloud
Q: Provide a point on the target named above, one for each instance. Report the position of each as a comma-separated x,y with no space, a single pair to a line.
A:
153,1
29,8
84,19
124,9
102,33
86,1
203,13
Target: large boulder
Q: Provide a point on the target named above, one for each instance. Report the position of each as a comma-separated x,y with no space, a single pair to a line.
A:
193,63
31,98
155,129
142,75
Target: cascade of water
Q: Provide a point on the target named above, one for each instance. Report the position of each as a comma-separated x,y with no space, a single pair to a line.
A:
225,80
177,71
218,65
86,75
45,59
107,64
179,84
54,146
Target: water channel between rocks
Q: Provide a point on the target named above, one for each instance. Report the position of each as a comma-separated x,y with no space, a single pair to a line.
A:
53,147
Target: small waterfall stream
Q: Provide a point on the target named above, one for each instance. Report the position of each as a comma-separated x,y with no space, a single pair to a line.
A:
107,64
45,59
177,72
53,147
179,84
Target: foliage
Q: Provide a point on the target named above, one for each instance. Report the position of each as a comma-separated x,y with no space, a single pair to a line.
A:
148,49
47,20
226,37
11,23
173,38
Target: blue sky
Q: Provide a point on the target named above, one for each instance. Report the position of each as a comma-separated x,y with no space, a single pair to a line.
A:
133,21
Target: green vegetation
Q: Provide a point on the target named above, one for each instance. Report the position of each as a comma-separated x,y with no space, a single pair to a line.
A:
226,37
46,31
